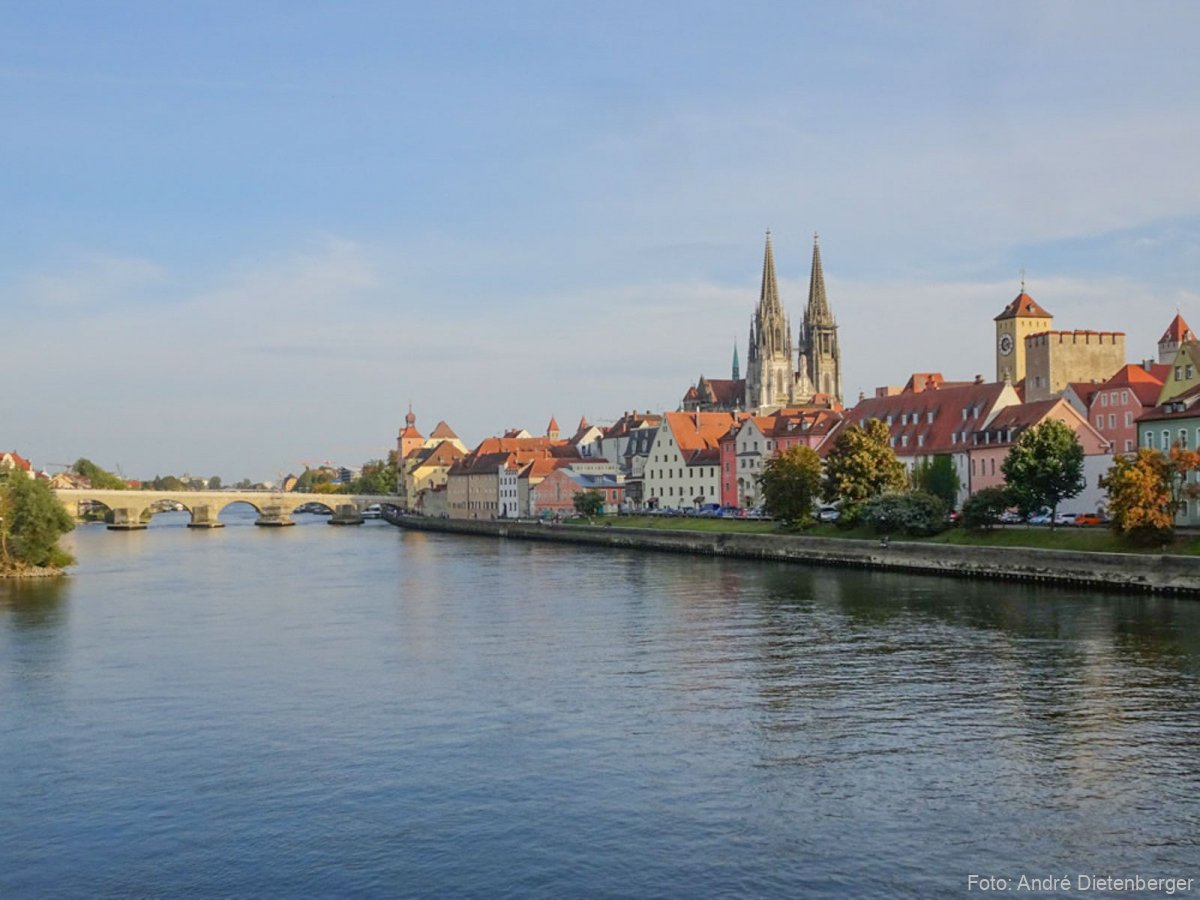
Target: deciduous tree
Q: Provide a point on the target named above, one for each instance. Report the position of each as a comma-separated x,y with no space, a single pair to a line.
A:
588,503
31,522
1045,467
861,465
938,476
791,483
1139,497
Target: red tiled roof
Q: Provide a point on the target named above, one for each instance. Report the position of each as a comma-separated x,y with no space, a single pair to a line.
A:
1022,307
931,419
1146,386
629,422
1177,331
18,460
695,432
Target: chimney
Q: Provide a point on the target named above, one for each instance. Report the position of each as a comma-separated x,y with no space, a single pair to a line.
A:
979,379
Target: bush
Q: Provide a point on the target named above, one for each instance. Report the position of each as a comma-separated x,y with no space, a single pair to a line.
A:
916,514
981,511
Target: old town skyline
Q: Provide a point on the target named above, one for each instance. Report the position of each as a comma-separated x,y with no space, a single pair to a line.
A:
243,255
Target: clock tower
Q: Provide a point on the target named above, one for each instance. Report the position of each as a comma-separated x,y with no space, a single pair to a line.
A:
1020,319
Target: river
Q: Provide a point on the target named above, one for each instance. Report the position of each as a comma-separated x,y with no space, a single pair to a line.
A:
365,712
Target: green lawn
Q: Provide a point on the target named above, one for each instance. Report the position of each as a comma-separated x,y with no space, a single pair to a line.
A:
1081,539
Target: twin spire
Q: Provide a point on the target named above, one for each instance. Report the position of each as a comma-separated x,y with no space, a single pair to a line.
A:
818,305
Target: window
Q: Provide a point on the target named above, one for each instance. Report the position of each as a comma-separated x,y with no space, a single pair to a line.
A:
920,440
1104,399
972,465
1128,419
1128,446
888,421
1099,421
993,465
1112,420
1183,509
1187,371
1183,438
1124,397
904,441
1178,371
1149,437
1166,440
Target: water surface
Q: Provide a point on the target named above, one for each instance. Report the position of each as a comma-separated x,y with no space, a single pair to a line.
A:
328,712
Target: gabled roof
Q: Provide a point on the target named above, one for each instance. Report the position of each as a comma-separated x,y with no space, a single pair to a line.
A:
1177,332
629,422
1182,407
444,431
1023,307
1145,385
698,432
1006,426
16,459
931,420
441,454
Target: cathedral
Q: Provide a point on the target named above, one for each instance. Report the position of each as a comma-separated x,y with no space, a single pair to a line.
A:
779,373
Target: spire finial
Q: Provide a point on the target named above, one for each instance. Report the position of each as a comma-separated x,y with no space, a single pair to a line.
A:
1022,279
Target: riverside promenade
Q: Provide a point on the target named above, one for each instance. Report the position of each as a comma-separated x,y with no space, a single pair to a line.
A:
1131,572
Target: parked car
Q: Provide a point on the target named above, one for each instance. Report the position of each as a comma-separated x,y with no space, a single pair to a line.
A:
1039,519
827,514
1064,518
1089,519
1010,517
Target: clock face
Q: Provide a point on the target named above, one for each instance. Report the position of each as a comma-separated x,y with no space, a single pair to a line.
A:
1005,344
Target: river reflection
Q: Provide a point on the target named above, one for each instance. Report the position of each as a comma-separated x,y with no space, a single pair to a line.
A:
328,712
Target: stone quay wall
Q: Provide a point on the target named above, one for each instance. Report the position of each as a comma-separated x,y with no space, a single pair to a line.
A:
1138,572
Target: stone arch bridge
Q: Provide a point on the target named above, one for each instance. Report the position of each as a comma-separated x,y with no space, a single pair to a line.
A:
274,507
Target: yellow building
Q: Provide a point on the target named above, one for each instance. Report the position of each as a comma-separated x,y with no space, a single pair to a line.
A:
1184,372
1054,359
1019,319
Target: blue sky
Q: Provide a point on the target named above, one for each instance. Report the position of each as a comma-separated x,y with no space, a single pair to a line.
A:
244,236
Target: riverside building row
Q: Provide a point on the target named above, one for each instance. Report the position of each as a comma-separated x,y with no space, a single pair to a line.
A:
712,450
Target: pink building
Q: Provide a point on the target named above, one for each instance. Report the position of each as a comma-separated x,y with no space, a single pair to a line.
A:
991,444
1115,406
555,494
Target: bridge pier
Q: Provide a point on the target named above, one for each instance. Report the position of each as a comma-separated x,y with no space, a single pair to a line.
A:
206,517
275,516
346,514
126,518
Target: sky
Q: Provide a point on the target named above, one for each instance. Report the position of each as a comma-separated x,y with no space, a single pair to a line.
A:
243,238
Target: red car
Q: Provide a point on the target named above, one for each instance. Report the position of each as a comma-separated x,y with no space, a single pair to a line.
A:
1090,519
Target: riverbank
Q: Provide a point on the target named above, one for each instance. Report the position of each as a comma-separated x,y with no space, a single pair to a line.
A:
1141,572
30,572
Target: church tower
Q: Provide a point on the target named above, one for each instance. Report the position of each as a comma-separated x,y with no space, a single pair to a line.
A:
820,360
1021,318
769,380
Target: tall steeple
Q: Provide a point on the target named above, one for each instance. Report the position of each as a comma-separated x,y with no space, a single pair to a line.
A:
818,306
736,367
768,298
819,357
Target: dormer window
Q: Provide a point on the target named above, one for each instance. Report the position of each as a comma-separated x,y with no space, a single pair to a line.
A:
929,417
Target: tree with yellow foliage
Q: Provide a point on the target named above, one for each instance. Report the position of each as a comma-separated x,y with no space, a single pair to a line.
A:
1146,490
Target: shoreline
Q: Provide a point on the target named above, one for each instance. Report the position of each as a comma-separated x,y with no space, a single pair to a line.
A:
1126,572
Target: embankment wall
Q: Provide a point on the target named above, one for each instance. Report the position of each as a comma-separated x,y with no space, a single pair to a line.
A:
1155,573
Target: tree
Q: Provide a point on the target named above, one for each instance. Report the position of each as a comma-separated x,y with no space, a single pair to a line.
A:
982,510
860,466
1146,491
1139,497
377,477
1045,467
790,483
938,476
214,483
589,503
31,522
98,477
